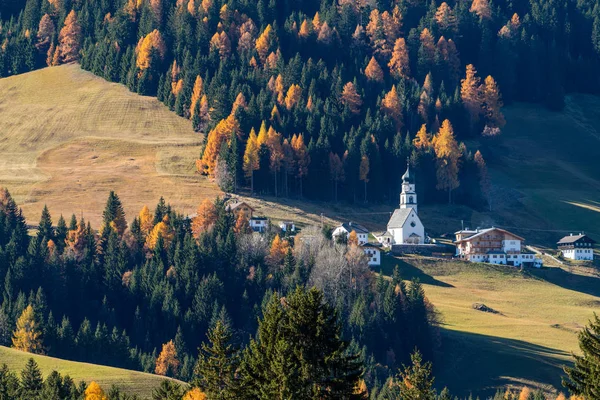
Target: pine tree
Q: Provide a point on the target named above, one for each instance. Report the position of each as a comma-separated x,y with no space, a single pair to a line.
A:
299,333
392,107
250,162
416,382
28,336
471,94
31,384
45,229
363,174
583,379
114,215
217,364
492,103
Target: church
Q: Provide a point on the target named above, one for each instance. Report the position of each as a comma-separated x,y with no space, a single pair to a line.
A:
404,226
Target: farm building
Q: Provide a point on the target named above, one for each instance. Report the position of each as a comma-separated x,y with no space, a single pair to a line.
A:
577,247
494,246
373,253
344,231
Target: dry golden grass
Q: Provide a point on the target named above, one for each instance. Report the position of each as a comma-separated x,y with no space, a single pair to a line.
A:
68,137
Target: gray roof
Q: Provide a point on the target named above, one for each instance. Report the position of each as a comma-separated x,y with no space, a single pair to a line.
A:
399,217
353,226
371,245
573,238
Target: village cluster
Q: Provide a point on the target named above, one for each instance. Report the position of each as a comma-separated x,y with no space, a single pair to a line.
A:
405,234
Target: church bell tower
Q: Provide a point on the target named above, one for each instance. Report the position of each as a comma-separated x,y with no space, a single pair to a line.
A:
408,197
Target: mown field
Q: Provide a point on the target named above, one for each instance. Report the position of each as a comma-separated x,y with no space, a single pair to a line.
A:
132,382
526,342
68,137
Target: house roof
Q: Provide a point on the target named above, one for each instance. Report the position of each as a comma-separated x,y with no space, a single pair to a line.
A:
353,226
381,233
483,231
371,245
574,238
258,219
399,217
233,206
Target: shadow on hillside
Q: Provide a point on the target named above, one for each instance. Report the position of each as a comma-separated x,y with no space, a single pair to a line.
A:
409,272
479,364
559,277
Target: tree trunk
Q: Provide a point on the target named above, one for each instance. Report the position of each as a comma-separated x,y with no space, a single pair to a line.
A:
252,183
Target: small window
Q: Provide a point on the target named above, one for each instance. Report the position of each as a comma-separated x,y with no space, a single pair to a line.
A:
413,224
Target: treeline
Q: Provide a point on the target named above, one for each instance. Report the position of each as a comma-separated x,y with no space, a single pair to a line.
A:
324,117
143,295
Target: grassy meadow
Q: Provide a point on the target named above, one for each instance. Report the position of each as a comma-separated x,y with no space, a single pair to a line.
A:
526,342
68,137
131,382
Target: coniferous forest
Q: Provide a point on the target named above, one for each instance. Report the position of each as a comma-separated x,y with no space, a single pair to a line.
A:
297,95
147,295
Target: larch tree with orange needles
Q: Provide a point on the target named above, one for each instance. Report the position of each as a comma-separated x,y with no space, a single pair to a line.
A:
70,39
206,215
448,154
351,98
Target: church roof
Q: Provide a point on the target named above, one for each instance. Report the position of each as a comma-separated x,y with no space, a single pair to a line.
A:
399,217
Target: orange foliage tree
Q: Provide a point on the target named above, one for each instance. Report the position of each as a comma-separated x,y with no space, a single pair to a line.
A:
152,43
392,107
293,96
448,153
374,71
351,98
215,139
206,215
399,64
167,363
163,230
70,39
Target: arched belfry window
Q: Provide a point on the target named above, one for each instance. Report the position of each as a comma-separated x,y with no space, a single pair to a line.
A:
410,200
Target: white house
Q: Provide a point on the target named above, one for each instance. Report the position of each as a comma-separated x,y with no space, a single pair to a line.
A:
373,254
259,224
287,226
494,246
405,226
577,247
385,238
344,231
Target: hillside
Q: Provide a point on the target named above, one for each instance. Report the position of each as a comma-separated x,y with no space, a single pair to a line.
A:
132,382
527,342
68,137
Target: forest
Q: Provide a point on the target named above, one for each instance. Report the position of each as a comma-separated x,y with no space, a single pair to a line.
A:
297,95
145,295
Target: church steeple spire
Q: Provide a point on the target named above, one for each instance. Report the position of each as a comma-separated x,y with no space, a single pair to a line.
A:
408,197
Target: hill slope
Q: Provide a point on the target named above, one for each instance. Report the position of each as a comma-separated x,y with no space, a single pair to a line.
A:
131,382
526,342
68,137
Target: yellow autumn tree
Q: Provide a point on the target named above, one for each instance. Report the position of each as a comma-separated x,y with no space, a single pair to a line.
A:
306,29
194,394
250,162
374,71
28,335
445,18
70,39
470,94
351,98
492,103
352,238
392,107
481,8
163,230
399,64
422,140
146,220
240,101
242,225
219,134
301,158
167,363
196,95
278,250
263,43
94,392
206,215
293,96
448,154
150,44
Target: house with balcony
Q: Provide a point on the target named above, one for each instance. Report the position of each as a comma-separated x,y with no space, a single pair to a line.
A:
577,247
494,246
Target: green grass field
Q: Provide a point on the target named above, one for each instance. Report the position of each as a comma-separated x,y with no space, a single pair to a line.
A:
131,382
528,342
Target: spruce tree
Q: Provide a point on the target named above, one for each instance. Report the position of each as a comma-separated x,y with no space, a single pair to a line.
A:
298,352
31,381
217,364
583,379
416,382
45,227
